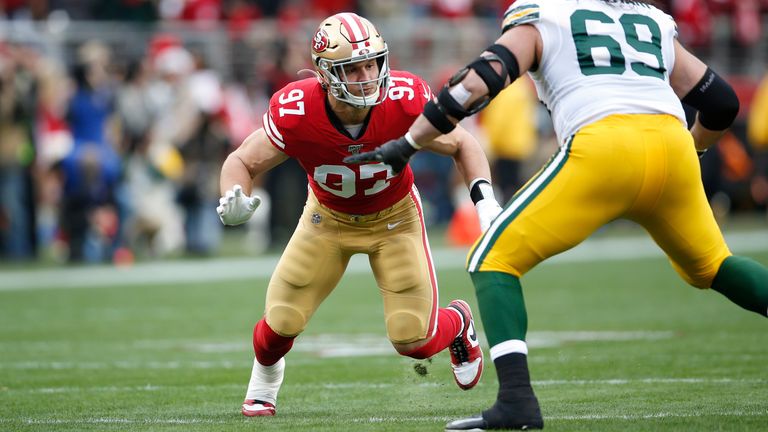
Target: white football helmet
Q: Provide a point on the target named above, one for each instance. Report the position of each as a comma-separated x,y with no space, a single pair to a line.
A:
343,39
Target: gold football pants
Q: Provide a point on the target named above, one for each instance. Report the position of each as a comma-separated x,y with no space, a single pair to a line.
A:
638,167
315,258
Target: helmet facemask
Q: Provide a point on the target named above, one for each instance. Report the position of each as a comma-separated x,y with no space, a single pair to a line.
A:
345,39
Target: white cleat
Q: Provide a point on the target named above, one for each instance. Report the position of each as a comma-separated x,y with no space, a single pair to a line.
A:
256,408
466,354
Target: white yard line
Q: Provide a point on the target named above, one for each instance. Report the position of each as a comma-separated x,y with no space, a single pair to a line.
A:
225,269
96,421
660,415
368,420
374,386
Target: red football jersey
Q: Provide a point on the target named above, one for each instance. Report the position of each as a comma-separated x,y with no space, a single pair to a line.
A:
299,123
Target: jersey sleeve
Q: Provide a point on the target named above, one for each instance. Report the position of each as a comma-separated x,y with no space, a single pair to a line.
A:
673,23
424,92
283,117
272,130
410,92
520,12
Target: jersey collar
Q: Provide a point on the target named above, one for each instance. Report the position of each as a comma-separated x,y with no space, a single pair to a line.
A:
339,126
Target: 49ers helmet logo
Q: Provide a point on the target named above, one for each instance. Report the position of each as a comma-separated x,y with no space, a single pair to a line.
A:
320,41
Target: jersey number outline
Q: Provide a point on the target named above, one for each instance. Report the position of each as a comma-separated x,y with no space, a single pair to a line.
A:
295,95
399,91
346,186
585,42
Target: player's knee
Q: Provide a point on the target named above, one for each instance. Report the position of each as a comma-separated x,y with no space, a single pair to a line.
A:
698,276
700,280
286,320
405,327
415,350
700,283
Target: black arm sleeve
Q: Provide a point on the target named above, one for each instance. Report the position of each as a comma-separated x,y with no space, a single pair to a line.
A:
715,100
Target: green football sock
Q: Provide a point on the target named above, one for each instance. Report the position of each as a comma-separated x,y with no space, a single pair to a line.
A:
744,282
502,307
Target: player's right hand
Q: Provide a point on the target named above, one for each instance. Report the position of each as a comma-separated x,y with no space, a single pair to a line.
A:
487,210
235,207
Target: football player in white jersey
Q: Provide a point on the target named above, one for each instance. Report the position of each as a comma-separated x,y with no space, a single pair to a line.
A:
354,104
613,75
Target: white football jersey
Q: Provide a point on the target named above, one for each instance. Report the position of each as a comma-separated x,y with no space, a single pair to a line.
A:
600,58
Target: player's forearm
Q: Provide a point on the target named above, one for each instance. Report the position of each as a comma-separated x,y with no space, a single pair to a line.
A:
704,138
472,163
234,172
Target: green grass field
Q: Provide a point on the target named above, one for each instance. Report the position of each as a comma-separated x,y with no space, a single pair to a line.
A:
614,345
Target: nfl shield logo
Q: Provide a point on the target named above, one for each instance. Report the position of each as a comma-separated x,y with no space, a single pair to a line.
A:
316,218
354,148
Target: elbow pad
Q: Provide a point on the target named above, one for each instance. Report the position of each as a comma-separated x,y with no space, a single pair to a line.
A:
437,112
715,100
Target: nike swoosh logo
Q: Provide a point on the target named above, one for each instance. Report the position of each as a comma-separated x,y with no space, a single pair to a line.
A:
472,336
393,225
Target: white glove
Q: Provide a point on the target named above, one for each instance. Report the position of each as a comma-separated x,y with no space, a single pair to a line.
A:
487,210
235,207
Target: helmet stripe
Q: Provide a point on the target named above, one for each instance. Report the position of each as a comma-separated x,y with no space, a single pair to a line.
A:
355,28
362,26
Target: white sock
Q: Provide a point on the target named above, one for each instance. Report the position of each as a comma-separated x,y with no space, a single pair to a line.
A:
509,347
265,381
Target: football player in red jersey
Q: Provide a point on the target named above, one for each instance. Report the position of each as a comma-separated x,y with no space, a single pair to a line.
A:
354,104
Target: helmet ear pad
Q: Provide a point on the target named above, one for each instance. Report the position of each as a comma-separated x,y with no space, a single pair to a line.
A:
344,39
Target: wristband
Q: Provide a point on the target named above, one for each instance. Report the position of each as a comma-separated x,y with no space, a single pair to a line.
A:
480,189
411,141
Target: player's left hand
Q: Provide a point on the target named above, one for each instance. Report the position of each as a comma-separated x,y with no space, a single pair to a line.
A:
394,153
487,210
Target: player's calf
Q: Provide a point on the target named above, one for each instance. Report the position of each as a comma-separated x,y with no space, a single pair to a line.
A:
745,282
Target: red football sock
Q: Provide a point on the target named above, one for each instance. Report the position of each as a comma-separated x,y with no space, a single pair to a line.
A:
449,325
268,345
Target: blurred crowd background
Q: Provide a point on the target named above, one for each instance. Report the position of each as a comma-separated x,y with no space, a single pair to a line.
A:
115,115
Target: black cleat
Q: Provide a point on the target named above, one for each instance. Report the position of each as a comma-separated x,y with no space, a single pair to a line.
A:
519,414
476,423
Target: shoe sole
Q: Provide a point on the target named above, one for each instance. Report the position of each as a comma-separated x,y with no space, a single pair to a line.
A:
259,413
